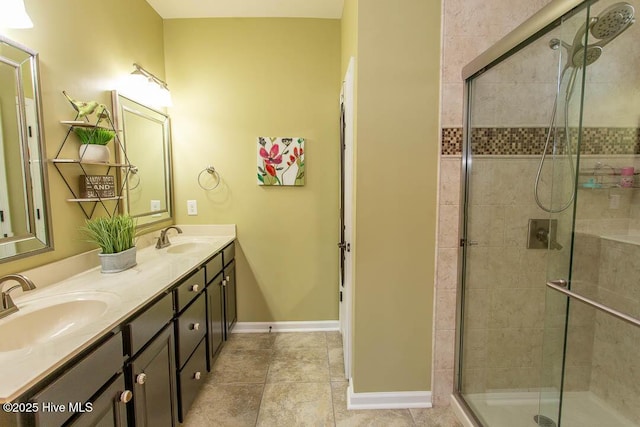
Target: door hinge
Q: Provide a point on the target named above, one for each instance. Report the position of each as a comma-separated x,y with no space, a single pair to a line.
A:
345,246
340,296
464,242
1,216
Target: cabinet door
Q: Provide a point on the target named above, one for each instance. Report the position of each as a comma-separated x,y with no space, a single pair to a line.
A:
216,318
108,409
153,376
230,307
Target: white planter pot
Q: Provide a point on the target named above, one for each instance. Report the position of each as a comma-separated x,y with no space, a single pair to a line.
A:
94,153
114,263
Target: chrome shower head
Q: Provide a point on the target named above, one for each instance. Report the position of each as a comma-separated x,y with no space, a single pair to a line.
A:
612,22
592,55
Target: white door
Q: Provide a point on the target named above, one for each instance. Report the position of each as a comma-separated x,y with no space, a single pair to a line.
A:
346,213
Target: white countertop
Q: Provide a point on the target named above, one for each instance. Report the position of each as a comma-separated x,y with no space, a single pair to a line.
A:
124,293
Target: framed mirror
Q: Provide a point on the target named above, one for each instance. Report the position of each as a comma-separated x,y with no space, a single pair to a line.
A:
146,137
25,220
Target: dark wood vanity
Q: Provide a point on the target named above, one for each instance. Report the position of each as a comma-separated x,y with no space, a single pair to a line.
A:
148,370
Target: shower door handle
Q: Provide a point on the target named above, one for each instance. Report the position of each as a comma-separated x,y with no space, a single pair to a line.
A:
561,283
561,286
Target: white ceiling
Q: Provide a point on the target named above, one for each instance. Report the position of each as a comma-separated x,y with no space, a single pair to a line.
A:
168,9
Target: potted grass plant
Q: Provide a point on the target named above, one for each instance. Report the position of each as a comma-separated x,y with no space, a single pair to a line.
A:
93,143
116,238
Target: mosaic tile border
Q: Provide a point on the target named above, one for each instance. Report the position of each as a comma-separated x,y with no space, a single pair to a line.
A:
530,140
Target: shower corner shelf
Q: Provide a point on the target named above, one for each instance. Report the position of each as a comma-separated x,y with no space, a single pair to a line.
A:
607,187
88,205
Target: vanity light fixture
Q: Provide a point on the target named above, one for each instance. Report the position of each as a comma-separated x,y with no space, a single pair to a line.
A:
156,88
14,15
148,88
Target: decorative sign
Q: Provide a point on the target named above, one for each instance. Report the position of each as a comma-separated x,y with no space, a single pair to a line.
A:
97,186
280,161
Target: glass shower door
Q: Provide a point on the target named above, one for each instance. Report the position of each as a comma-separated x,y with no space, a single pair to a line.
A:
503,283
592,325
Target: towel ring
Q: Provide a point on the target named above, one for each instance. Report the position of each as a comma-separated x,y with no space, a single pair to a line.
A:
211,171
134,171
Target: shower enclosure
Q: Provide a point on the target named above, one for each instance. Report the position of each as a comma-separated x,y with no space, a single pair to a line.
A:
549,286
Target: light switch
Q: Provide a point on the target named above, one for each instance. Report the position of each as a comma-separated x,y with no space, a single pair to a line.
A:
192,207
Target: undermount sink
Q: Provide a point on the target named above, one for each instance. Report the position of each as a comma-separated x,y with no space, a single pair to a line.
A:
33,326
186,247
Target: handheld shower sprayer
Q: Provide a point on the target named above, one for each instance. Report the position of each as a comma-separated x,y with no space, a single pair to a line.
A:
608,25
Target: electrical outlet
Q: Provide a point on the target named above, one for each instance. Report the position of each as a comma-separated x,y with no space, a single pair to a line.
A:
155,206
192,207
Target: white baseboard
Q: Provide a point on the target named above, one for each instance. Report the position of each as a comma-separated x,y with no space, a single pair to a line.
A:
306,326
387,400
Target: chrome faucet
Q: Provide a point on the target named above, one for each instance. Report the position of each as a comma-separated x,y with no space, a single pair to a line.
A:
7,306
163,240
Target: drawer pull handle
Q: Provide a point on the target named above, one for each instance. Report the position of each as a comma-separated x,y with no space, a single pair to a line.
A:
195,288
141,379
195,326
126,396
197,375
224,283
227,278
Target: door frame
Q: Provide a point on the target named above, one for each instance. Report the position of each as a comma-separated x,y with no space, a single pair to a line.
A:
347,176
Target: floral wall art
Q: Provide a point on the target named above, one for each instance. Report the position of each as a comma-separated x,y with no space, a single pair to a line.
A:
280,161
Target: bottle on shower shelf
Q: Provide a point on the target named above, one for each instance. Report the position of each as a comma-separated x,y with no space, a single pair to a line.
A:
626,177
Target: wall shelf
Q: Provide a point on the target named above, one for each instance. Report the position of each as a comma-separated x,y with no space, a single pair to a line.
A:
95,199
77,161
118,168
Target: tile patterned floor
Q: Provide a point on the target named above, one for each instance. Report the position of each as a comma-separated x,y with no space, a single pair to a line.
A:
291,379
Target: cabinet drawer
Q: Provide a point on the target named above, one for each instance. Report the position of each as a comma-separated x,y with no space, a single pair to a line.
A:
191,378
229,253
80,382
189,289
214,266
141,329
191,326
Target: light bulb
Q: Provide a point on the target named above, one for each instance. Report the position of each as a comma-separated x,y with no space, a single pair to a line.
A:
14,15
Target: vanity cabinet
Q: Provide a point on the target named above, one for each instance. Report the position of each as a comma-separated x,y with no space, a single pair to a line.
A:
215,307
151,369
93,380
108,409
191,330
229,288
152,376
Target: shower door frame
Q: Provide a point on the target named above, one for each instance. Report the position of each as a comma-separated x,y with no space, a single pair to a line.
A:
540,23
